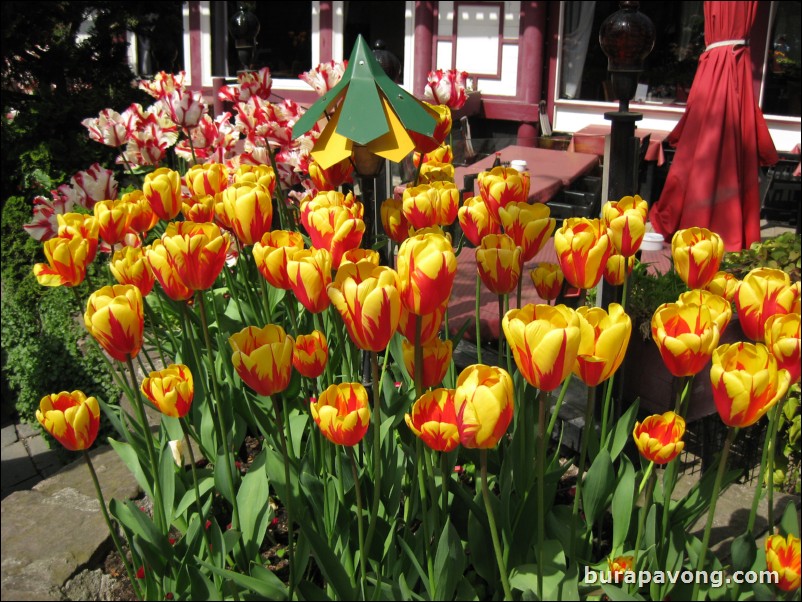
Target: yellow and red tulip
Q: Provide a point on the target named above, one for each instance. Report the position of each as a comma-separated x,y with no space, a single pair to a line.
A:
113,220
164,269
724,285
442,154
447,202
720,308
582,247
442,128
763,293
498,260
272,254
199,210
162,189
697,254
309,273
617,269
545,342
260,175
626,226
114,317
484,403
430,323
548,280
426,267
72,418
436,360
263,358
501,186
435,171
311,354
333,177
746,382
368,300
434,420
249,209
357,255
342,413
605,337
334,228
171,390
197,252
783,557
686,336
394,222
83,226
419,206
620,565
206,179
659,437
143,218
476,221
130,266
67,259
530,226
783,340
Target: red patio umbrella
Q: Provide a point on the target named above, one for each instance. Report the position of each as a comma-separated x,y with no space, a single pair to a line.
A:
721,139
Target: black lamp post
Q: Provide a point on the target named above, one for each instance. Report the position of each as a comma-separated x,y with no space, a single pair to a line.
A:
244,27
626,37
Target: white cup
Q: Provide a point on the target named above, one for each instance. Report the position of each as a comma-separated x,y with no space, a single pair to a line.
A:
519,165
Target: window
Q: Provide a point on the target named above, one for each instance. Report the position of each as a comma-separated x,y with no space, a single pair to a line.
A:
781,93
668,70
284,41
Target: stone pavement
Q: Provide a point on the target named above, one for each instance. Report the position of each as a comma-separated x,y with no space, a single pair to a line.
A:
26,458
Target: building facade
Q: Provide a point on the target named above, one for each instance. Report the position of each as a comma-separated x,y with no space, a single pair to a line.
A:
516,53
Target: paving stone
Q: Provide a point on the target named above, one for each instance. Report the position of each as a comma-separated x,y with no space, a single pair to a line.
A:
9,435
45,459
25,430
17,465
22,486
46,538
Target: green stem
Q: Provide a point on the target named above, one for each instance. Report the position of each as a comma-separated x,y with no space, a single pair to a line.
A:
265,300
651,478
418,376
217,410
110,526
288,494
478,321
520,285
555,413
377,446
608,395
767,444
198,504
583,450
445,477
363,559
427,531
231,284
158,507
646,475
543,399
191,146
154,325
500,334
282,203
722,467
773,425
491,519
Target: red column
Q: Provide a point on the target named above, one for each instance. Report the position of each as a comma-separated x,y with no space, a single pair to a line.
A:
326,36
424,51
195,57
530,63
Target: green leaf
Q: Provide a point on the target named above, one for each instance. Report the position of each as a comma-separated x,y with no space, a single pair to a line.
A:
201,588
599,483
788,523
618,438
623,502
329,564
697,500
204,485
744,551
261,581
130,458
222,477
167,481
154,545
254,509
449,562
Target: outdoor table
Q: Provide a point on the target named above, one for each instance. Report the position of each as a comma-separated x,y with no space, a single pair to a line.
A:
549,171
591,139
462,303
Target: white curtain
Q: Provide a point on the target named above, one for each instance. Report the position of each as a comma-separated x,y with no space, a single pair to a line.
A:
577,29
